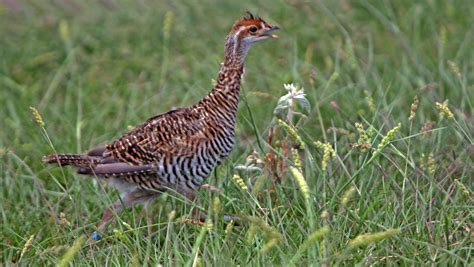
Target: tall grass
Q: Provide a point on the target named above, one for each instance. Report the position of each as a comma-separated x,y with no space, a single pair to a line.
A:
370,164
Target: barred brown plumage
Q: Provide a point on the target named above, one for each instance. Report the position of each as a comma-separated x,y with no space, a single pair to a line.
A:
176,150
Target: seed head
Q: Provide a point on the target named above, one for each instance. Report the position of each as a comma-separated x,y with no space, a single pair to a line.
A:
300,180
388,138
27,245
240,182
63,220
292,133
443,36
444,110
315,236
328,153
367,239
413,108
270,244
428,164
296,158
216,205
37,117
171,215
370,101
168,24
364,141
324,215
427,127
462,188
64,32
454,68
229,227
347,196
127,225
72,251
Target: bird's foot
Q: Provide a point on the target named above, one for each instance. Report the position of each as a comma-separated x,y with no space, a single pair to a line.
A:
210,188
96,236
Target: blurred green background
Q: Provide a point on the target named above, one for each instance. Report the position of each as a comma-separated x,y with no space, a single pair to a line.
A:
94,68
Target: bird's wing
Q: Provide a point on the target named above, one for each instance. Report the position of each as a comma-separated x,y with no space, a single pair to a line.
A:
177,132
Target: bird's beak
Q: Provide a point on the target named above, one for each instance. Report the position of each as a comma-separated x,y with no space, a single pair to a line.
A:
266,34
272,28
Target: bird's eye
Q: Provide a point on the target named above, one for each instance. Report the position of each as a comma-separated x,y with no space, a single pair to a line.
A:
253,29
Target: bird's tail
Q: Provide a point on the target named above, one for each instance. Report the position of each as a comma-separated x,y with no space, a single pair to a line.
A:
71,159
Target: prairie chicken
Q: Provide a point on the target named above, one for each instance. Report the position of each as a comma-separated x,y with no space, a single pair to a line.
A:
178,149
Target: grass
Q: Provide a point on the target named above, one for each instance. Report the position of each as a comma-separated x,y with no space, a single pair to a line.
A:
92,69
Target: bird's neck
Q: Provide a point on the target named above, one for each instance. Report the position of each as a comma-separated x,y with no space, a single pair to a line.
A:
224,97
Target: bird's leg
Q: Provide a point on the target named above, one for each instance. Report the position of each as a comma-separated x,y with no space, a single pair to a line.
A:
196,213
149,214
109,214
201,215
127,200
149,221
210,188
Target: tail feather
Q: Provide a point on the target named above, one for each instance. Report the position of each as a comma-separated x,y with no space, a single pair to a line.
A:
71,159
118,170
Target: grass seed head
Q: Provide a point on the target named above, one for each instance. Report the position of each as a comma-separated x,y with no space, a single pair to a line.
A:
325,215
63,220
301,181
229,227
454,68
443,36
366,239
431,165
428,164
296,158
350,54
128,226
37,117
168,24
461,187
262,225
388,138
72,251
270,244
339,131
208,224
216,205
292,133
426,128
64,32
413,108
171,215
316,236
328,153
347,196
251,233
27,245
259,184
370,101
120,235
240,182
444,110
364,141
333,77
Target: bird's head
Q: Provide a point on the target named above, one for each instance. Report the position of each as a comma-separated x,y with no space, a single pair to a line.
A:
251,29
247,31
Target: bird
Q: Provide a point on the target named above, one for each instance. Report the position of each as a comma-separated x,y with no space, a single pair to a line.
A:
176,150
